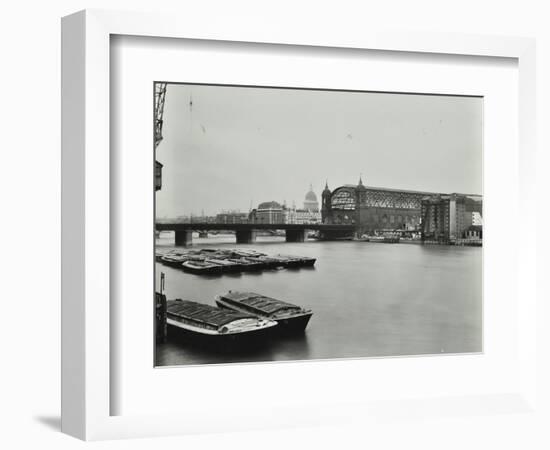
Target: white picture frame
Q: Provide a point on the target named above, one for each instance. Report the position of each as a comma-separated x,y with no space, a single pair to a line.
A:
86,217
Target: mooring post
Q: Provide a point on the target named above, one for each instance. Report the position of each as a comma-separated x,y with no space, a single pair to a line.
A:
160,310
161,316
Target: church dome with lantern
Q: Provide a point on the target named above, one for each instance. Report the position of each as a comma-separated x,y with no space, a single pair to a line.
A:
310,202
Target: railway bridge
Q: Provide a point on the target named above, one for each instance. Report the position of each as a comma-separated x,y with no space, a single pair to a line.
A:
246,232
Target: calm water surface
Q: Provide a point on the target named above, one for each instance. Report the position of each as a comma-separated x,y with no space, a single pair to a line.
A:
368,299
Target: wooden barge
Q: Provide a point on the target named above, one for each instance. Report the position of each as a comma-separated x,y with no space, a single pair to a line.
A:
201,267
217,328
289,317
215,261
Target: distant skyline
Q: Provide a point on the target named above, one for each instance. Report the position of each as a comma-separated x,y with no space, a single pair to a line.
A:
230,148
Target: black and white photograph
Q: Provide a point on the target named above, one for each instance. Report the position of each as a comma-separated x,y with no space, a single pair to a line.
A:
298,224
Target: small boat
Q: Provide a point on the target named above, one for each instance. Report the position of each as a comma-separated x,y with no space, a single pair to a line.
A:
201,267
227,266
247,264
158,256
221,328
291,318
173,260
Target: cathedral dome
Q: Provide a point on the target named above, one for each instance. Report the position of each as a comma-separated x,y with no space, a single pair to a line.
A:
310,202
311,197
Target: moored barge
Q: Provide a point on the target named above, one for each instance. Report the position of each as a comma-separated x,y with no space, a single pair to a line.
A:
201,267
216,327
246,264
211,260
303,261
290,318
226,265
173,260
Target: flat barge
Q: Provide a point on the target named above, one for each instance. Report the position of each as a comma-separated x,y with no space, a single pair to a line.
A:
299,261
217,328
210,261
201,267
289,317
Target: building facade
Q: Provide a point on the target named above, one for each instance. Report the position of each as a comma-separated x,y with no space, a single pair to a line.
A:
274,212
268,212
305,216
436,218
301,216
452,217
232,217
373,210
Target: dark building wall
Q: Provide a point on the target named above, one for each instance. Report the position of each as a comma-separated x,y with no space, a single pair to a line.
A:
326,210
232,218
448,217
435,212
371,218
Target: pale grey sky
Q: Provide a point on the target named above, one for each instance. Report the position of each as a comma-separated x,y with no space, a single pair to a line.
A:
237,145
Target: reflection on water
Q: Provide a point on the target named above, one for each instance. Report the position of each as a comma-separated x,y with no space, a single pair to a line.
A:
368,299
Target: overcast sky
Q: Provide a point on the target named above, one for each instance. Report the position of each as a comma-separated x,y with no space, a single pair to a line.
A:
230,147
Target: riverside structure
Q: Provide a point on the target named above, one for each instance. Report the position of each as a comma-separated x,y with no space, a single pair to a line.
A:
352,211
371,210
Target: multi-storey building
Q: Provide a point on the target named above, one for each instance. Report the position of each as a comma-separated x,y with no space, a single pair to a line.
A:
449,218
268,212
232,217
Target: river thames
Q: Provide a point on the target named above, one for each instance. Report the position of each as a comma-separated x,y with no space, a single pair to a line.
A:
368,299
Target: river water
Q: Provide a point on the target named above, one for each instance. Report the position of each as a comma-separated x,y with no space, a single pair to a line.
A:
368,299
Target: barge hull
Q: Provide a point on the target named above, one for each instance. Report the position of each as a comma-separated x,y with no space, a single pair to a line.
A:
293,324
290,325
229,342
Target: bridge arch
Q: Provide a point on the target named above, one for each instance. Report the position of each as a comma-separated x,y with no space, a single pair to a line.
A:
344,198
343,204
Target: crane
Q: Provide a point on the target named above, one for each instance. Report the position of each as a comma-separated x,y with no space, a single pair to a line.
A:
160,95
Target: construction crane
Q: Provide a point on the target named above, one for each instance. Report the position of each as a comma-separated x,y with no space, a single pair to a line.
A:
160,95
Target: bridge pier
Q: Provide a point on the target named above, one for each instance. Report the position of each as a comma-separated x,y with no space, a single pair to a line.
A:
184,237
296,235
246,236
